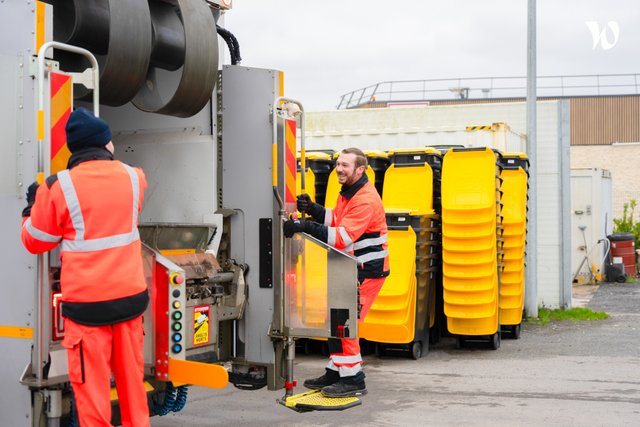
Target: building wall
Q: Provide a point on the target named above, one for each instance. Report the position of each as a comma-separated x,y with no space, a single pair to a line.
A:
387,128
605,120
621,160
595,120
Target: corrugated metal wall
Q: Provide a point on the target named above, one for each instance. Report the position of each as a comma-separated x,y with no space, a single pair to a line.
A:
604,120
597,120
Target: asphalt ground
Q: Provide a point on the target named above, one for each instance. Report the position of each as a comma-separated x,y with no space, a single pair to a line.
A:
566,373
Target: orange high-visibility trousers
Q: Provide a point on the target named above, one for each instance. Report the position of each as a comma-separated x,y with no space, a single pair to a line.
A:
93,353
345,354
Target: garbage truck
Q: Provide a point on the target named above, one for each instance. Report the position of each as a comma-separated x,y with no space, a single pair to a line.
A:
218,145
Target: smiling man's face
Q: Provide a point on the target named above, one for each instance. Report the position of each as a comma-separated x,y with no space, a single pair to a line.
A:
346,169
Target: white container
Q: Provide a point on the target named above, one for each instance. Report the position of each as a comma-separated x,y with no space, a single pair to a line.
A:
591,208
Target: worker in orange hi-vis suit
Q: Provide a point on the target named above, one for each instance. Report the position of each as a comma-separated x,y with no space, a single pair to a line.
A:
91,210
356,225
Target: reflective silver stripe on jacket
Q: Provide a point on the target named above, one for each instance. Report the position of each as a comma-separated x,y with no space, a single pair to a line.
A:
328,214
372,255
80,244
348,243
331,237
39,234
73,204
365,243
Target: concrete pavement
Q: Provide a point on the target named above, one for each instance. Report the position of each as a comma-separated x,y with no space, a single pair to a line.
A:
561,374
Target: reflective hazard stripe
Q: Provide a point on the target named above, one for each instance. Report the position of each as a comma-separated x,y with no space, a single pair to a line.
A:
372,255
328,216
345,371
133,175
331,236
348,243
100,244
361,244
340,360
345,236
39,234
73,204
79,244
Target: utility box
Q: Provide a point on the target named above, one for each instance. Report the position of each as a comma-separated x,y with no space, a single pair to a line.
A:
498,135
591,222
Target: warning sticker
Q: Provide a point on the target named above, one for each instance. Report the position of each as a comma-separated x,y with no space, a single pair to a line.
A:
201,325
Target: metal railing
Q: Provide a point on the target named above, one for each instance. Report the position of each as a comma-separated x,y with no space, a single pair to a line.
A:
478,88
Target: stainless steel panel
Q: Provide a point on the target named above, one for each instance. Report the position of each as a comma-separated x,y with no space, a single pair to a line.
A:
247,97
17,165
319,278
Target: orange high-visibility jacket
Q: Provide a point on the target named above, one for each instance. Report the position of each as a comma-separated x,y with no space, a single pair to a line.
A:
91,211
357,225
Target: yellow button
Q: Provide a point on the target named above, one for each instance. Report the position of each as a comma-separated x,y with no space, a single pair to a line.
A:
176,304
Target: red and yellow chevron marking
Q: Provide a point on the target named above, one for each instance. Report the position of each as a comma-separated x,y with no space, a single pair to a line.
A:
61,97
290,160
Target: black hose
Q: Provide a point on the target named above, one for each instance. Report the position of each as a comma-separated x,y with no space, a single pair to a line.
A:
232,43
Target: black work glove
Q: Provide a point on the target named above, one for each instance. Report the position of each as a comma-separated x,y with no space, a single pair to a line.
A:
305,205
31,198
293,226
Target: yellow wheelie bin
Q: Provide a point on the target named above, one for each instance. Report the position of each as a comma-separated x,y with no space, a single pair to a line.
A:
404,310
321,164
514,176
334,187
379,162
471,244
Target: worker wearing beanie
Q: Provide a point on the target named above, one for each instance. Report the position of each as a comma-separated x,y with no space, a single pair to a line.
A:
91,210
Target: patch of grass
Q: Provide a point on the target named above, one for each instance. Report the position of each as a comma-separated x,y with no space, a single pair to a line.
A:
573,314
630,279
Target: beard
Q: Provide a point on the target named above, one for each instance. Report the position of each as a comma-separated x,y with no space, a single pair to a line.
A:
348,179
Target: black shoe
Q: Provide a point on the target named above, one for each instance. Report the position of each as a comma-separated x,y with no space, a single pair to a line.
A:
345,389
330,377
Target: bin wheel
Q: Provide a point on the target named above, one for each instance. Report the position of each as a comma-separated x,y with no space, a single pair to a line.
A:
515,332
380,351
621,279
459,342
416,350
495,341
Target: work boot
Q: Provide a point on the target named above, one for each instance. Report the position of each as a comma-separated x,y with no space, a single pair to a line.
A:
329,377
347,387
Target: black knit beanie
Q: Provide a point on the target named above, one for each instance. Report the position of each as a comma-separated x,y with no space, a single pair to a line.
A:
86,130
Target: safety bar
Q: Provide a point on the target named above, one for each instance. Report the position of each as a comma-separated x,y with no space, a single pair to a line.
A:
39,344
290,345
274,152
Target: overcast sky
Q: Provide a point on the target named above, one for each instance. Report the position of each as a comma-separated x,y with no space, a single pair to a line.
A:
331,47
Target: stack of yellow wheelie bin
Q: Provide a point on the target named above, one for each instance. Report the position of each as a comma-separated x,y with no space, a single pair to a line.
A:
471,244
404,310
318,167
514,176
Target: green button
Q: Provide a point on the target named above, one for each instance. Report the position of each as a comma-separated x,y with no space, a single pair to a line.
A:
177,315
177,326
